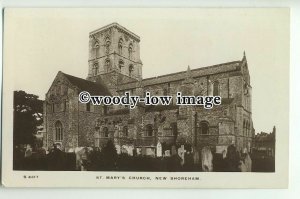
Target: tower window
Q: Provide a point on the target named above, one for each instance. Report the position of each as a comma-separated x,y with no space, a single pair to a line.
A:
107,45
121,65
52,108
58,131
120,46
107,65
130,70
130,51
95,69
58,89
97,48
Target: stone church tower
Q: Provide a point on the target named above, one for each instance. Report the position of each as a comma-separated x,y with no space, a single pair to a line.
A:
114,55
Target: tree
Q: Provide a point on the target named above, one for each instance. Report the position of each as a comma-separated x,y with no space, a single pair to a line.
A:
27,116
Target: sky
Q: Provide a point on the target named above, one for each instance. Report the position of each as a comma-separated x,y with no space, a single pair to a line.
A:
40,42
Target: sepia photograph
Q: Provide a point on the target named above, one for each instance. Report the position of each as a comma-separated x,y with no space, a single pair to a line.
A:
159,96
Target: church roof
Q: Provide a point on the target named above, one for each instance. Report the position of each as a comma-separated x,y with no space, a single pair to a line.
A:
94,88
204,71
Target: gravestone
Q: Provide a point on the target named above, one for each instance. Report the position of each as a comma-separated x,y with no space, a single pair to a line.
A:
206,159
173,150
124,149
150,152
138,151
144,152
181,152
158,150
196,157
167,153
118,148
130,150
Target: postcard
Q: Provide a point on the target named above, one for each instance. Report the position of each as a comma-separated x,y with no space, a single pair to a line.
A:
146,97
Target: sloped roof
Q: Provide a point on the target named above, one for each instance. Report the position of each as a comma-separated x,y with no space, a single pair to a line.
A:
94,88
204,71
264,137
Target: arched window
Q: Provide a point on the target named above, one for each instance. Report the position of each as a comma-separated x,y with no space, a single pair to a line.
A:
130,51
58,132
97,48
216,89
130,70
107,65
173,128
149,130
125,131
107,45
105,132
120,46
95,69
204,128
121,65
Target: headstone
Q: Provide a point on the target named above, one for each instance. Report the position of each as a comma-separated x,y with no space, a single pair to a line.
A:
167,153
220,149
144,152
158,150
28,151
124,149
138,151
173,150
181,152
130,150
150,152
206,159
118,148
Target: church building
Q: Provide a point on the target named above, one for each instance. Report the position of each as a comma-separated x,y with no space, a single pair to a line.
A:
115,67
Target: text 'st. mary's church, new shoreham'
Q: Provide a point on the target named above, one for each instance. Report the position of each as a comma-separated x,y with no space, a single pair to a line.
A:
114,67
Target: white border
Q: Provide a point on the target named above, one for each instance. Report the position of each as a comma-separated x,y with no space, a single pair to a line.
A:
292,192
76,179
